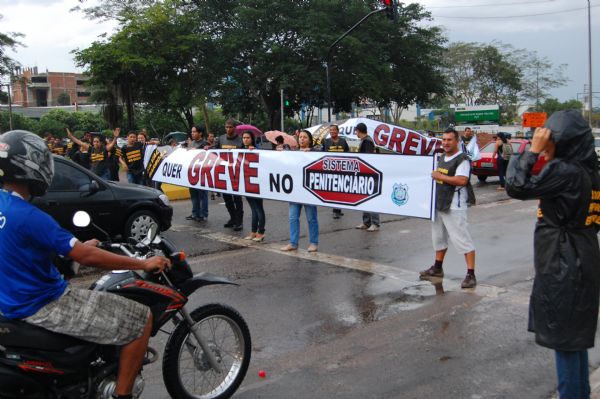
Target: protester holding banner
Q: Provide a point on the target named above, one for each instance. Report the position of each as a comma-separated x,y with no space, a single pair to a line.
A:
256,204
198,197
452,177
210,141
305,142
210,144
234,204
335,143
370,220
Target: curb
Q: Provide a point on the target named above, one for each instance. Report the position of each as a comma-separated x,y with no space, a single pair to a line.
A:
175,193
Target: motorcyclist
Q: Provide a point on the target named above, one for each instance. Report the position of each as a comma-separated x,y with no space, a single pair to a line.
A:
32,287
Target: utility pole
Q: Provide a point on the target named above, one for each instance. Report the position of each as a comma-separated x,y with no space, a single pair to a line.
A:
281,109
10,121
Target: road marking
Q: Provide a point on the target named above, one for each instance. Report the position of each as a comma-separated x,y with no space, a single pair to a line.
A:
403,277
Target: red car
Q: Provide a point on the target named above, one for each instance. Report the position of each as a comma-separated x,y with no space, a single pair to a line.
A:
486,166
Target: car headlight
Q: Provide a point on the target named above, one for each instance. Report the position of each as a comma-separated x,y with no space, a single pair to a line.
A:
164,199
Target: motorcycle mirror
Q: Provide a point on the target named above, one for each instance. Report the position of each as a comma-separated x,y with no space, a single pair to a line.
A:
152,234
81,219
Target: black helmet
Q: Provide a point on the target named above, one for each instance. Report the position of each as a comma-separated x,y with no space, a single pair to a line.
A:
24,157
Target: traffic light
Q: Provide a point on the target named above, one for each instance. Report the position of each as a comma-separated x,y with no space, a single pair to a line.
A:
391,9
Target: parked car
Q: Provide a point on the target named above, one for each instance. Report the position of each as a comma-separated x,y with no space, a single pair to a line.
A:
122,210
486,166
180,137
597,145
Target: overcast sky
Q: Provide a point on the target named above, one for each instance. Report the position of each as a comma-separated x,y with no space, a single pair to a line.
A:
556,29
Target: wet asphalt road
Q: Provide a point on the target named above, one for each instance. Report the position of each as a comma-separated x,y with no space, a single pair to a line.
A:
354,321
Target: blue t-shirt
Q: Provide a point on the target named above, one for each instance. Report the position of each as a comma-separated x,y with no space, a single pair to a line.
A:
29,239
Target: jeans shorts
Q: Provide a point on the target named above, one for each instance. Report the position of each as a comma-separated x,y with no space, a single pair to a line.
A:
93,316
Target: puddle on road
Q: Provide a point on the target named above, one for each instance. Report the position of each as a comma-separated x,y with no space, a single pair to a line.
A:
379,297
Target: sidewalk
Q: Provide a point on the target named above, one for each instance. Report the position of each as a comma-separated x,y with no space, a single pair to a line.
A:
595,384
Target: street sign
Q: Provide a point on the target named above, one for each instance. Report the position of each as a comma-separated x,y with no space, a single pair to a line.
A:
534,119
477,114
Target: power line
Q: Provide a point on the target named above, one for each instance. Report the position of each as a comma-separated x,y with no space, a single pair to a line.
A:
515,16
495,4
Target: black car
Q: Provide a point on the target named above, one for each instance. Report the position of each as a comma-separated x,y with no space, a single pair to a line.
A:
122,210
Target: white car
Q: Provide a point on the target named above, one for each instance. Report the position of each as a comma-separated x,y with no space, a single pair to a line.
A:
597,143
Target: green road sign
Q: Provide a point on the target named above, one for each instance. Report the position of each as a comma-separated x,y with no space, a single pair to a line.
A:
477,116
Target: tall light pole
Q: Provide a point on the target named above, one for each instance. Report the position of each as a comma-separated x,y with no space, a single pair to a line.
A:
391,10
590,62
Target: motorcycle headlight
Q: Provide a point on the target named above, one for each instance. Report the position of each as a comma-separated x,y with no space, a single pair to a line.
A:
164,199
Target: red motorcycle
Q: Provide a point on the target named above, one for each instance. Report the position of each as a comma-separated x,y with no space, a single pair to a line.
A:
206,355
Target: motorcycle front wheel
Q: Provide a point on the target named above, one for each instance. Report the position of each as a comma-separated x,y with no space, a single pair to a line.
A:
186,370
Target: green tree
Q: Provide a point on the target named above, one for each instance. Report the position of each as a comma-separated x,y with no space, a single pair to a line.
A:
19,122
551,105
63,98
480,74
539,76
285,44
159,58
8,40
176,55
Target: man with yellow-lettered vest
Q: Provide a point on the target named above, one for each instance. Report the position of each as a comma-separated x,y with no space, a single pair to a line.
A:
563,308
233,203
451,200
132,159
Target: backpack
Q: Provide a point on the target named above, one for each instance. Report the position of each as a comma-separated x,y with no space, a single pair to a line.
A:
507,151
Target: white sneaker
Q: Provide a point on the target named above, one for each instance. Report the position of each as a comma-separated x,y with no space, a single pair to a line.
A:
373,228
312,248
362,226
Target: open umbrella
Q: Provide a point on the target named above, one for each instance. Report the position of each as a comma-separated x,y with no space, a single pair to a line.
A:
287,139
240,129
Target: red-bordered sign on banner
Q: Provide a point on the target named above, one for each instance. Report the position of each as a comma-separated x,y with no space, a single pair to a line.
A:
393,184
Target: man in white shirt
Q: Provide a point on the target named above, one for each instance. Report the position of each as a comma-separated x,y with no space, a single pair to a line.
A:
452,177
468,144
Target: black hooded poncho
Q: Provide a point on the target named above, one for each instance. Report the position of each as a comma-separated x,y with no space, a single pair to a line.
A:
563,309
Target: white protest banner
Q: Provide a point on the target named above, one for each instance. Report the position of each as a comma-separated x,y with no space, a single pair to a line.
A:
390,138
394,184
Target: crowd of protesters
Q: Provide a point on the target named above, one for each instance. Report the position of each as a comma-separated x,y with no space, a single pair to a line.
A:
568,190
103,157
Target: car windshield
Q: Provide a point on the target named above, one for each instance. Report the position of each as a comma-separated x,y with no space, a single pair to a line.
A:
489,147
597,142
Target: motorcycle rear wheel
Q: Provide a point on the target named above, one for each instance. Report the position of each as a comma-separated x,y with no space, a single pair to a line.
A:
186,370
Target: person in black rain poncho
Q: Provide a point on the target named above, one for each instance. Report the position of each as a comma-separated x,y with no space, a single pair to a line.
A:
563,308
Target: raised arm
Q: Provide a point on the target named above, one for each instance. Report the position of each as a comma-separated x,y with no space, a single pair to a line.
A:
73,138
116,133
